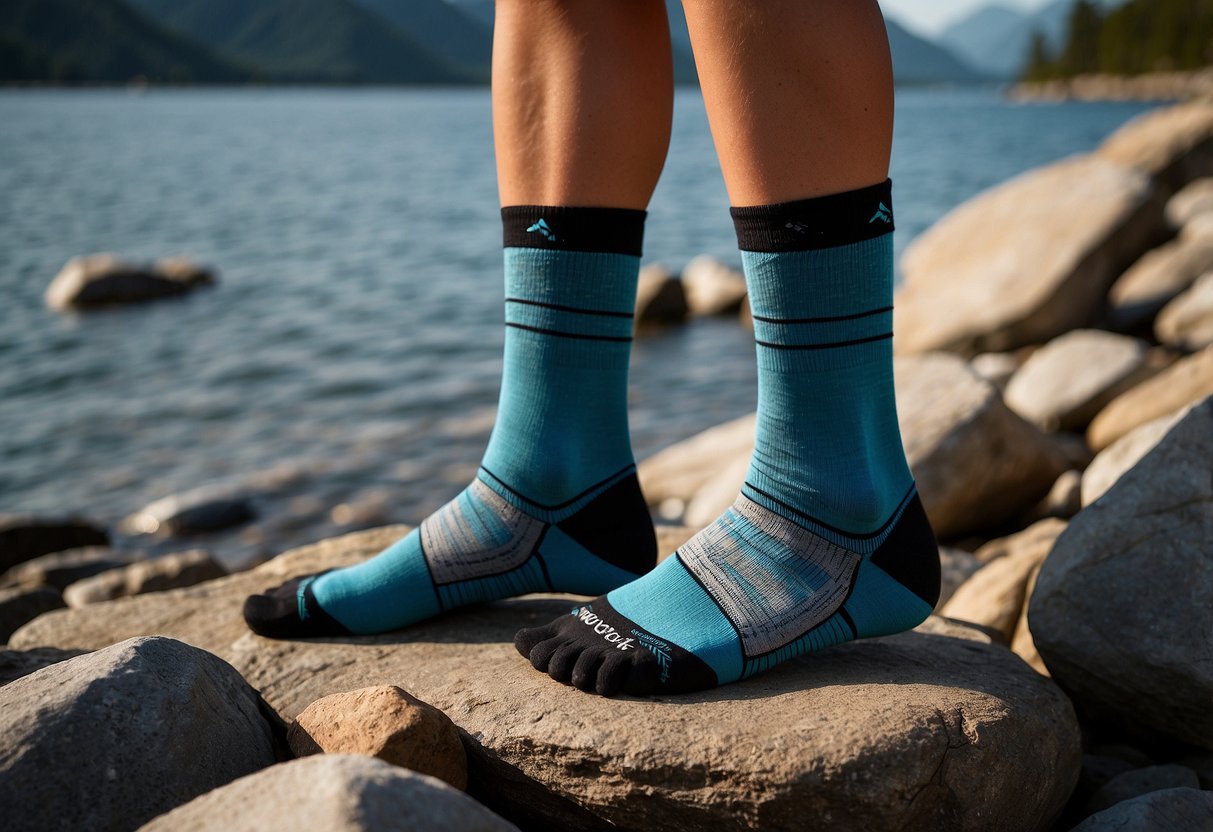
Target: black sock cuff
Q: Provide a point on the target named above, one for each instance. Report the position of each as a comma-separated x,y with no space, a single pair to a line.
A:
821,222
603,230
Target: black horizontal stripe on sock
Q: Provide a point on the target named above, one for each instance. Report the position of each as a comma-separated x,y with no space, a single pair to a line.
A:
822,524
584,337
621,472
824,319
570,228
829,345
574,309
816,223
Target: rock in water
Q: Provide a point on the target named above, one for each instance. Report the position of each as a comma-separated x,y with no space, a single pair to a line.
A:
1169,810
937,728
1184,382
1187,322
977,464
205,509
111,739
659,297
104,279
384,722
712,288
21,604
23,537
1027,260
333,793
1123,605
155,575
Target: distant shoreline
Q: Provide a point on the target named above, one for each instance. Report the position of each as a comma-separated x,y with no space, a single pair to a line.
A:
1154,86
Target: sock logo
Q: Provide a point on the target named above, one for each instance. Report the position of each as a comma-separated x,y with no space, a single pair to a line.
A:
883,213
658,648
608,633
797,227
543,228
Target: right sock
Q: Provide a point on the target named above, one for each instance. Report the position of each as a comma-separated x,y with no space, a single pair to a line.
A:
555,506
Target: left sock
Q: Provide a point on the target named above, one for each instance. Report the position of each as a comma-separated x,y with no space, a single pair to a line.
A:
827,541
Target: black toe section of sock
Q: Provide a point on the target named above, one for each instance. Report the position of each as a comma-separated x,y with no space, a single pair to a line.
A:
285,612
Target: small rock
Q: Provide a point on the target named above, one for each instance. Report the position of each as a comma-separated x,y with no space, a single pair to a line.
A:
21,604
1038,536
996,367
1026,261
1139,781
17,663
679,471
1173,145
1064,499
976,463
334,793
659,297
1169,810
1113,461
155,575
1153,281
23,537
1193,199
1186,323
206,509
1146,545
61,569
994,597
111,739
385,722
712,288
1184,382
103,279
1066,382
955,567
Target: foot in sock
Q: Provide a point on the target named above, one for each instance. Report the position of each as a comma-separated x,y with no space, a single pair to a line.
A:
828,540
556,505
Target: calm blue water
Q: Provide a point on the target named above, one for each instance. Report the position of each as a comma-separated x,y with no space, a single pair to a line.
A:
352,347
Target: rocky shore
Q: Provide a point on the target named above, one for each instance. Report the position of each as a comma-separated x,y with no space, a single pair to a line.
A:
1055,389
1151,86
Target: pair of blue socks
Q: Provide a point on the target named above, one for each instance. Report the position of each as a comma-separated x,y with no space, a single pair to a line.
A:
826,542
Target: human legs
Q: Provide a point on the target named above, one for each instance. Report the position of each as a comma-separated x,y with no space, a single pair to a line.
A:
581,138
827,541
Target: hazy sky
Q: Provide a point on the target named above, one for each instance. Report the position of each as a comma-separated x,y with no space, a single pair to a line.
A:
929,16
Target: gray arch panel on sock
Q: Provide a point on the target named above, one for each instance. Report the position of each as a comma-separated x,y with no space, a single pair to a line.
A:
773,579
459,546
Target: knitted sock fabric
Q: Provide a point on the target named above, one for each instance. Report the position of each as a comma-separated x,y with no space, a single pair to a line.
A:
827,541
555,505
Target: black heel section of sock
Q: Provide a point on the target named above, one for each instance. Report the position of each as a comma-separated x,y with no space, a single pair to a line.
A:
279,613
616,527
910,554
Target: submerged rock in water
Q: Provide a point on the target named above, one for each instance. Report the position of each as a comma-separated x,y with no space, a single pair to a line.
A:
660,298
1124,603
111,739
106,279
712,288
334,793
205,509
929,729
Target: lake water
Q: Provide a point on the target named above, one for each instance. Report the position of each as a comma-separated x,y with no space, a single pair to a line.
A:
349,356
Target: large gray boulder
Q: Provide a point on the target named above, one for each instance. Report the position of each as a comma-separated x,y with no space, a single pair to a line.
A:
1168,810
1026,261
334,793
104,279
1123,606
976,463
937,728
1068,380
111,739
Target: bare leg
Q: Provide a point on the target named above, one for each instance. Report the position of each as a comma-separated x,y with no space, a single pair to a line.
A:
827,541
582,101
799,94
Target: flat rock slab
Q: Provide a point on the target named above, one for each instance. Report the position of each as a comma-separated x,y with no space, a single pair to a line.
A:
932,729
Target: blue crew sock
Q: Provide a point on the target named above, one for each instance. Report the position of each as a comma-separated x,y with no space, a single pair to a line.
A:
827,541
555,505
